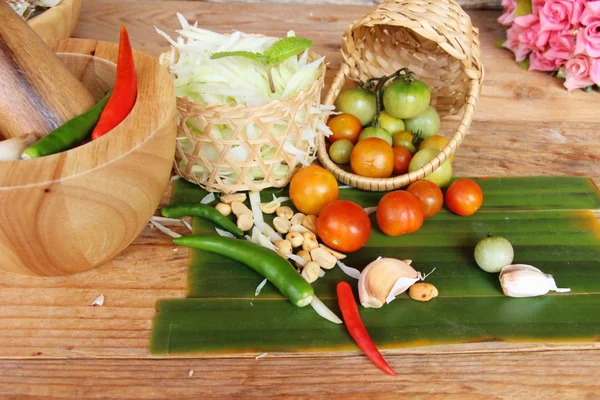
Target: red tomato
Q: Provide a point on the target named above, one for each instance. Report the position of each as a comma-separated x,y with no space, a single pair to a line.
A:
464,197
344,226
402,158
399,212
430,194
344,126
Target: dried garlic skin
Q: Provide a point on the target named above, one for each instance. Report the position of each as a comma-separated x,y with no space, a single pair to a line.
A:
521,280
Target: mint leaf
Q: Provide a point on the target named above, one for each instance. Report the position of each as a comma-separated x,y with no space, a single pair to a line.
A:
247,54
286,48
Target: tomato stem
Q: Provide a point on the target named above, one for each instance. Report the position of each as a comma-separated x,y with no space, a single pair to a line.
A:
405,74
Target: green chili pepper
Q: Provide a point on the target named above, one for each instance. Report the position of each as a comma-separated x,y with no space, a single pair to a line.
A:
203,211
68,135
264,261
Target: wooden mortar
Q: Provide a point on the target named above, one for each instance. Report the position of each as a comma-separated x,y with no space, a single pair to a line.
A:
75,210
37,91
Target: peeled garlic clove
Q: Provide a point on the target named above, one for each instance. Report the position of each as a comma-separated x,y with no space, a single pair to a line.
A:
521,280
383,279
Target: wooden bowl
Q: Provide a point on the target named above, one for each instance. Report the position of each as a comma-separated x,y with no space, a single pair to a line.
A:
57,22
75,210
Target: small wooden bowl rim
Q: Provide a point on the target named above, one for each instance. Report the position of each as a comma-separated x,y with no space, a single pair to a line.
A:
100,152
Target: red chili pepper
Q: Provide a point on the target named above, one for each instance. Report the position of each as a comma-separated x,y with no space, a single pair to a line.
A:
357,329
124,93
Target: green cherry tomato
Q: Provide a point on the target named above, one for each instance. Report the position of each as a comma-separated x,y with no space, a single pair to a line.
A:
372,131
441,176
493,253
340,151
406,100
391,124
425,124
404,139
358,102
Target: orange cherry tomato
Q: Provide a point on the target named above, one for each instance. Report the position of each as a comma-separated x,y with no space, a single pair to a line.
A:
344,226
430,194
464,197
344,126
399,212
373,158
402,158
312,188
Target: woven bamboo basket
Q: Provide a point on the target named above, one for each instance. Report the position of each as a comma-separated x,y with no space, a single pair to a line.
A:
436,41
190,159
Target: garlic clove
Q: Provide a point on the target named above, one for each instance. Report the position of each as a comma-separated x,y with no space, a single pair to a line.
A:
383,279
521,280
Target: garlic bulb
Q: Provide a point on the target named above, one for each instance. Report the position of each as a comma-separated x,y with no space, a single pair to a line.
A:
520,280
385,278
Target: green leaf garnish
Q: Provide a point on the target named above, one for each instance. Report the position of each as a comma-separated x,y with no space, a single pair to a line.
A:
280,51
247,54
283,49
524,7
524,64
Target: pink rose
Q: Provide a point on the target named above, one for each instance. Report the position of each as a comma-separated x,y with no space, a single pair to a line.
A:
558,15
588,40
595,71
509,12
536,5
577,72
591,13
539,62
524,36
562,46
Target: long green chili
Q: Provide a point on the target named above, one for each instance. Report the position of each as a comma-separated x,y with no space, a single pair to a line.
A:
266,262
203,211
68,135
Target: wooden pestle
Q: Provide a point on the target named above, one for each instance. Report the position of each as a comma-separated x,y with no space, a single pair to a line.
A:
37,92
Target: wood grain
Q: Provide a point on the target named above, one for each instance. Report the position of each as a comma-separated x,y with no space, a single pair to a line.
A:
58,22
525,124
544,375
37,92
69,212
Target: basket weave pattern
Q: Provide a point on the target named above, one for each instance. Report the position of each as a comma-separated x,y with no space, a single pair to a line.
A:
255,173
436,41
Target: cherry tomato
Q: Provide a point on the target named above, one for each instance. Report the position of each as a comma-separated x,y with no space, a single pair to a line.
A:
406,100
437,142
312,188
372,157
430,194
359,102
399,212
425,124
402,158
464,197
344,226
404,139
344,126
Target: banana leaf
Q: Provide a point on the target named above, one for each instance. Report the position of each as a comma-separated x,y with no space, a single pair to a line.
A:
548,220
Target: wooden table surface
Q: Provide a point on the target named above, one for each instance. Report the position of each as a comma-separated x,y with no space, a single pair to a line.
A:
53,344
